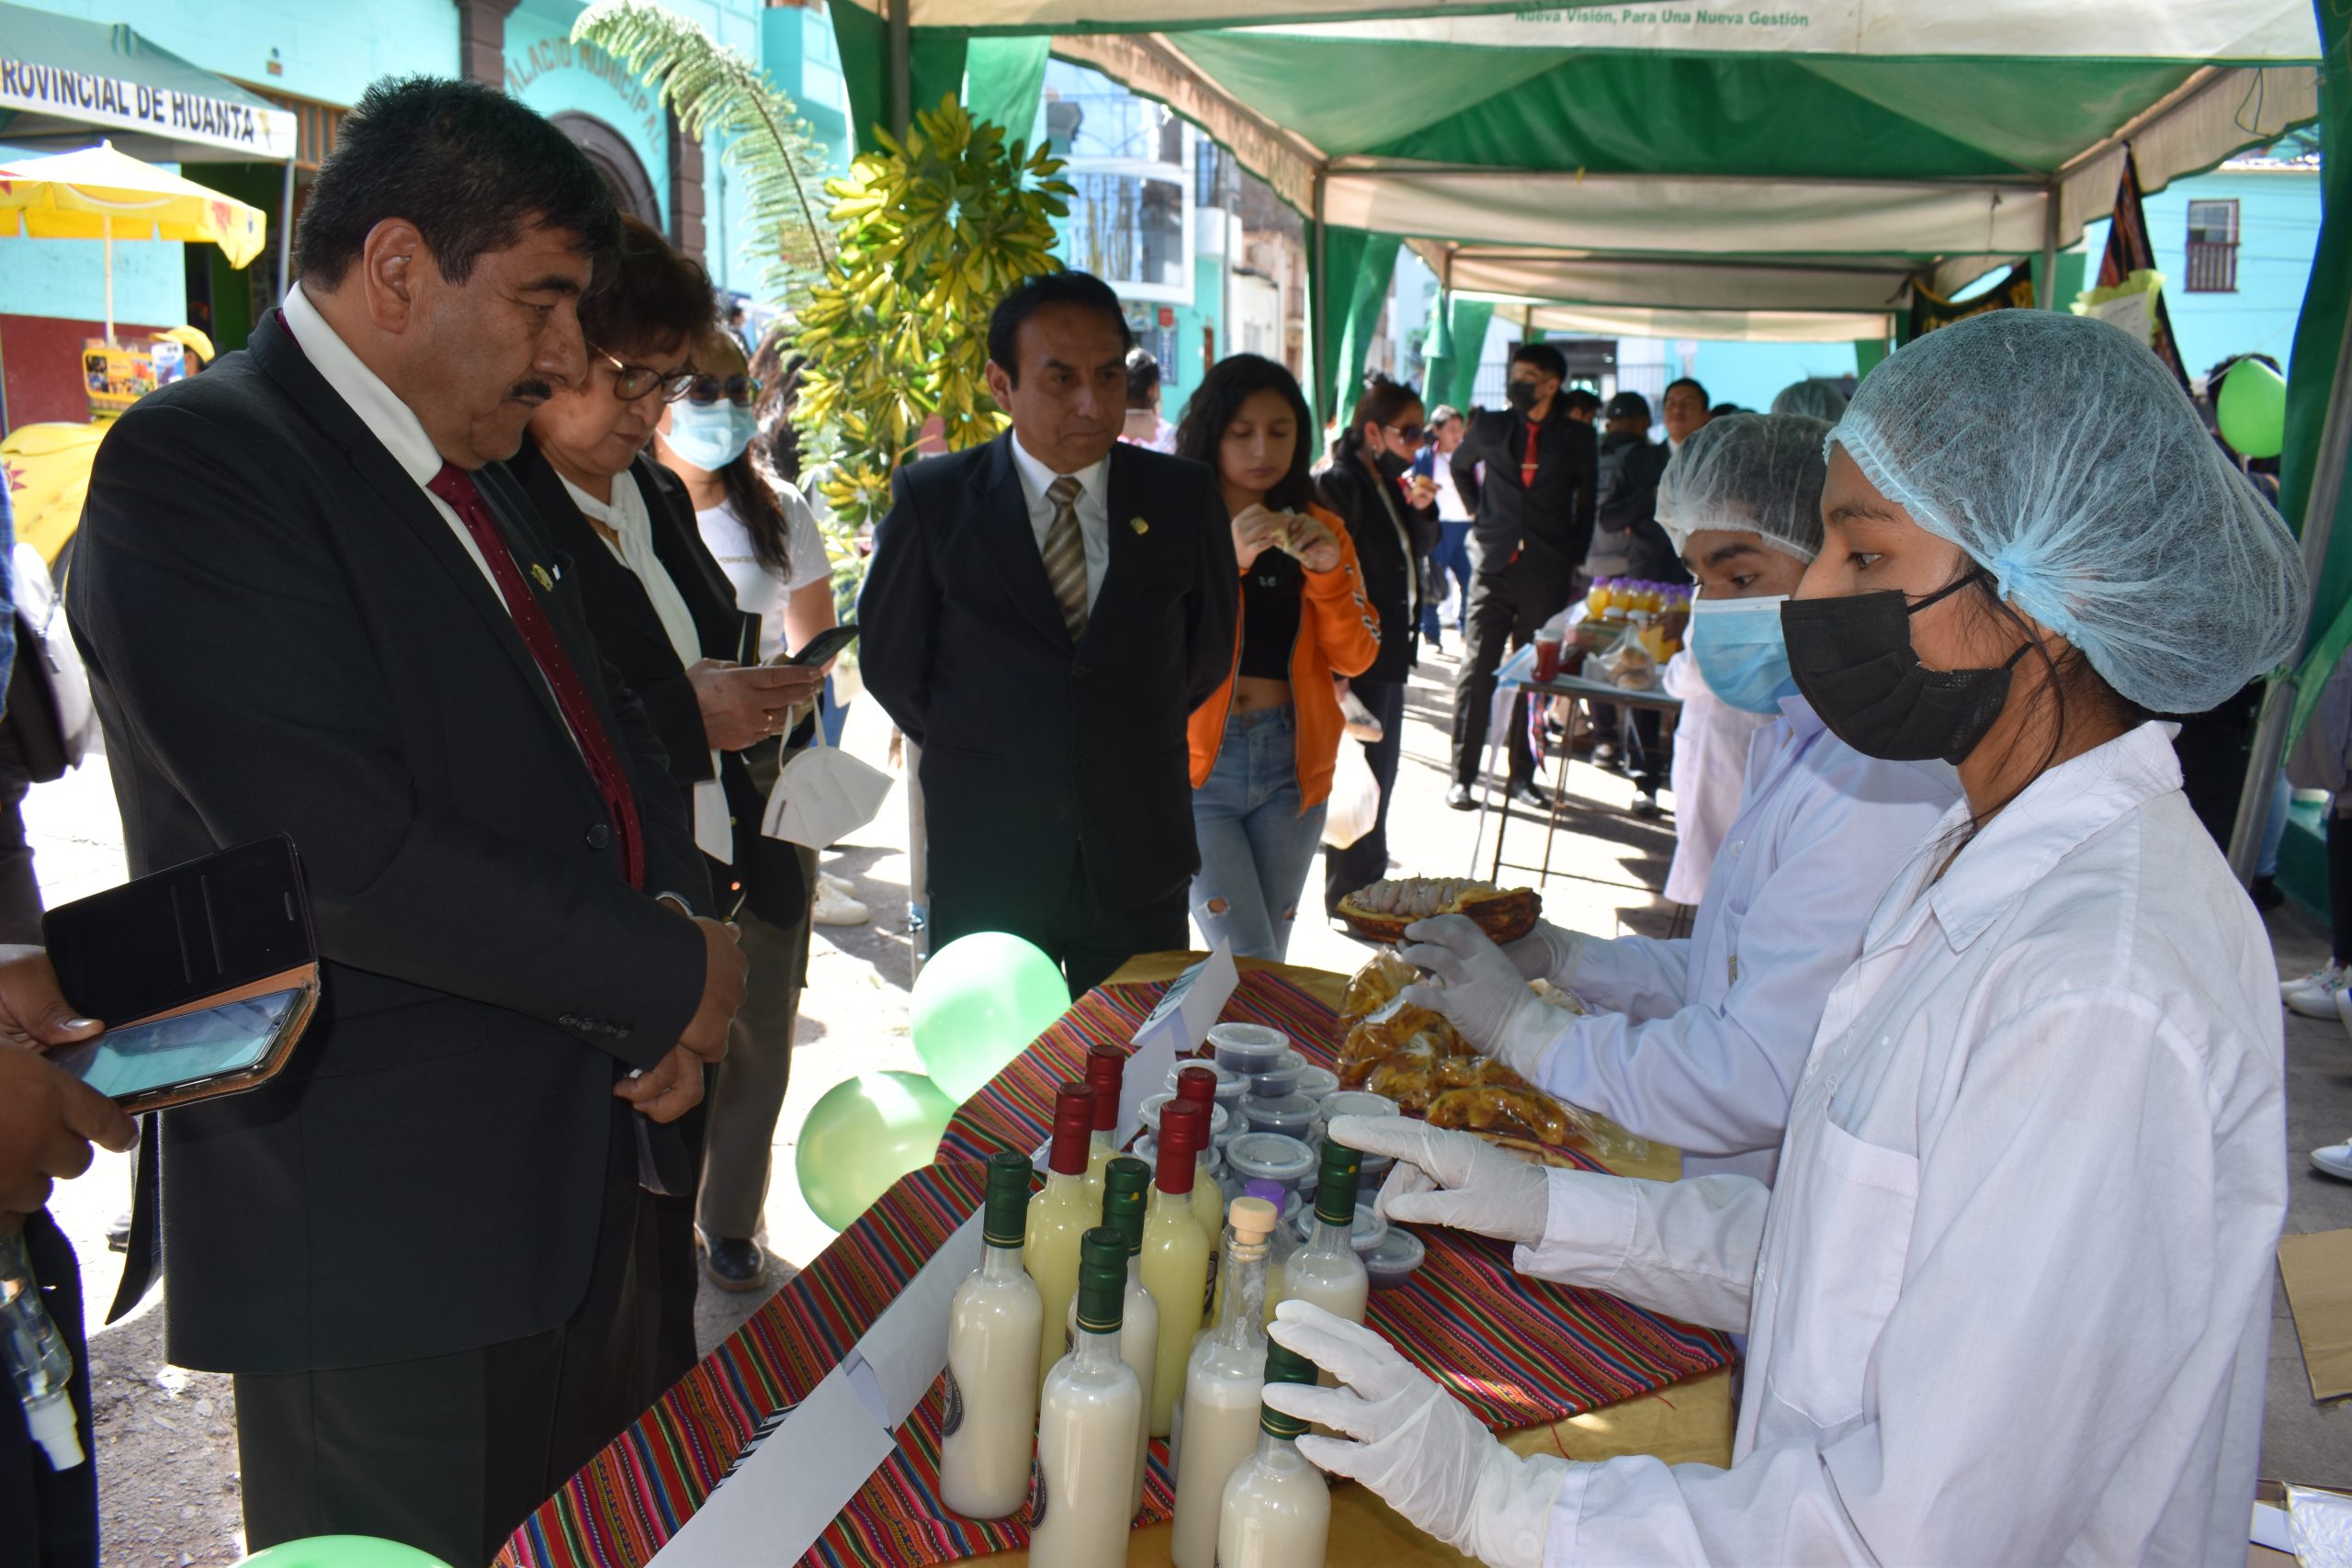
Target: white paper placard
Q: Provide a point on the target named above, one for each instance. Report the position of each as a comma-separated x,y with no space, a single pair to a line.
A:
780,1496
1176,1028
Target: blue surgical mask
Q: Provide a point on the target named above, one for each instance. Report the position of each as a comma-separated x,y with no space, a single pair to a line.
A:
1741,653
710,437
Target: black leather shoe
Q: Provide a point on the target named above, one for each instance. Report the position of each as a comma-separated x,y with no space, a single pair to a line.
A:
1530,796
735,1265
2265,893
1604,754
1646,807
1461,799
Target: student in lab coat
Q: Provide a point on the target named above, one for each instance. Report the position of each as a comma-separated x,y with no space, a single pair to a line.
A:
1698,1042
2009,1298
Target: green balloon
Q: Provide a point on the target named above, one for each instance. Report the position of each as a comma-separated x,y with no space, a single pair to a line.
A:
979,1003
2251,409
341,1551
864,1134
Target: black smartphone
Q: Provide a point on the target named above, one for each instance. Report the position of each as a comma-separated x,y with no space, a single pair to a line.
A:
826,645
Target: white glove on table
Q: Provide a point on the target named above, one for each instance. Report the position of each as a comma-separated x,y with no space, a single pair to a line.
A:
1547,952
1446,1177
1481,993
1417,1446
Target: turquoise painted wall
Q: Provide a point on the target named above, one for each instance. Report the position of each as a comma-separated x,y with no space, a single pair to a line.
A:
800,56
546,70
326,50
2278,231
67,277
1752,374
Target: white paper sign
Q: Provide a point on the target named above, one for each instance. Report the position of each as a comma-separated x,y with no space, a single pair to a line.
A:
1176,1028
781,1497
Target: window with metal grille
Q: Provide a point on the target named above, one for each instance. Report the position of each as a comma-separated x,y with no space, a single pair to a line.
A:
2213,247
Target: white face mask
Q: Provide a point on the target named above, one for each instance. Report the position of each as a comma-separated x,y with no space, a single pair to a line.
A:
823,796
710,437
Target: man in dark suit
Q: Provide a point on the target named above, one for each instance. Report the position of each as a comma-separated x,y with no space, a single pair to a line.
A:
312,604
1534,511
1042,615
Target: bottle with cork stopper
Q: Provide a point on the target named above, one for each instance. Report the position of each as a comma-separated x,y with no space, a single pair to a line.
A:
1088,1422
1106,1071
992,1345
1175,1252
1277,1509
1059,1215
1223,1380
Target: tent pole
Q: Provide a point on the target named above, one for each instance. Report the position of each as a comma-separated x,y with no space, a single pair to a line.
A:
1318,284
106,227
285,231
2048,296
898,52
2278,699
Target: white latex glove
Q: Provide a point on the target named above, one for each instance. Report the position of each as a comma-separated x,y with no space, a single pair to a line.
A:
1482,993
1413,1443
1547,952
1446,1177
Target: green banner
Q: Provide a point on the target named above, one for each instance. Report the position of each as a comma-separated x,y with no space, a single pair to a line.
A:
2319,333
1357,267
935,68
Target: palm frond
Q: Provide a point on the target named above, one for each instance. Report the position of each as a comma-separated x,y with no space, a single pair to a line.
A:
711,87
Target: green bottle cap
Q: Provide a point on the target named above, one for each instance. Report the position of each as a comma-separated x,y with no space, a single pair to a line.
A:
1126,1183
1335,1186
1102,1280
1285,1365
1005,1218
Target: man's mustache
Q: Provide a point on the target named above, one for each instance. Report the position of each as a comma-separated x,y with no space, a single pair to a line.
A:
533,389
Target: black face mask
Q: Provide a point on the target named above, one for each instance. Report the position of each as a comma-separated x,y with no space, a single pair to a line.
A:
1853,661
1521,395
1390,464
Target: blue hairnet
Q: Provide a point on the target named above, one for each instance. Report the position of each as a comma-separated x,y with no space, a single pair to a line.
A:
2065,459
1758,472
1812,396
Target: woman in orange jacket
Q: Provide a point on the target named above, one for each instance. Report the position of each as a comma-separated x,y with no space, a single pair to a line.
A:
1264,745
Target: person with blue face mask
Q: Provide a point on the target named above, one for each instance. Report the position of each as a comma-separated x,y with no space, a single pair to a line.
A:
1697,1042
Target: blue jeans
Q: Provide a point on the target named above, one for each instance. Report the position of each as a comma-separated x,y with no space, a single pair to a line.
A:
1256,846
1452,555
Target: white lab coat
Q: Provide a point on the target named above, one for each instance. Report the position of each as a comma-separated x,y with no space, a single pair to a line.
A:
1709,767
1699,1040
2009,1302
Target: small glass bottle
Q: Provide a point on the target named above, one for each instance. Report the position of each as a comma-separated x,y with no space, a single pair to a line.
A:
1106,1071
1059,1215
1175,1254
1222,1383
1088,1423
1277,1511
992,1340
1327,1270
1126,1183
1198,1086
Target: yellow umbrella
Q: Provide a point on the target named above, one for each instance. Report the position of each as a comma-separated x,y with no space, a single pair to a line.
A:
100,194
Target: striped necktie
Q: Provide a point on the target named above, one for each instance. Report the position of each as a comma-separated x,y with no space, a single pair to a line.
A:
1065,554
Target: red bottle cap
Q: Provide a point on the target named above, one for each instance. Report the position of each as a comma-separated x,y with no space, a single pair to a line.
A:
1106,1069
1073,1129
1198,1086
1184,1132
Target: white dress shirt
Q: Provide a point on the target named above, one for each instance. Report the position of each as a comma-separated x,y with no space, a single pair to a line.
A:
1699,1040
1708,774
631,544
388,420
2009,1301
1093,507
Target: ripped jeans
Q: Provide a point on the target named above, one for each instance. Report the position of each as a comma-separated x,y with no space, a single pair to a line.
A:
1256,847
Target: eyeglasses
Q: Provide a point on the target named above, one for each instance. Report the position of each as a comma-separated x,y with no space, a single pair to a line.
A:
1410,434
631,382
703,391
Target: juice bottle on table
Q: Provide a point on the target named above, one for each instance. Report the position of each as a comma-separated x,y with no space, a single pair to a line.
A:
1087,1421
992,1341
1059,1215
1126,1183
1106,1070
1198,1086
1327,1270
1175,1254
1223,1381
1277,1507
1595,599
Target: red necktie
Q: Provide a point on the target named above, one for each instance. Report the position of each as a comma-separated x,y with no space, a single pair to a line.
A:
455,485
1527,464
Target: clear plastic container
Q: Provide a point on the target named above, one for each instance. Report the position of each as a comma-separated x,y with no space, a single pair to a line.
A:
1279,1080
1221,1123
1392,1261
1271,1156
1317,1084
1359,1102
1247,1047
1293,1115
1369,1230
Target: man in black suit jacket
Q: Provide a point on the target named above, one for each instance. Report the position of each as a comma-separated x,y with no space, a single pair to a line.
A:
1042,615
312,604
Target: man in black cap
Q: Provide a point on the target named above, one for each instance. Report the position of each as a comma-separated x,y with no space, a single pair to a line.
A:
1627,541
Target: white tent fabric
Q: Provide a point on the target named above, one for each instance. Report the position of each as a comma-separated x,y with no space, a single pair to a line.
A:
1676,282
1716,326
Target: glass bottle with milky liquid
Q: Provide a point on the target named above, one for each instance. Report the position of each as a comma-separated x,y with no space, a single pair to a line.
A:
1087,1423
1125,1180
1106,1070
1059,1215
1277,1511
1327,1270
1223,1383
992,1341
1175,1254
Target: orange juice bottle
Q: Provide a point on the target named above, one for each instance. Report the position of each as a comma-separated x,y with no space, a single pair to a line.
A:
1596,603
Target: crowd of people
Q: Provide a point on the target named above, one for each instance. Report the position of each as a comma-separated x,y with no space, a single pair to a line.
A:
477,573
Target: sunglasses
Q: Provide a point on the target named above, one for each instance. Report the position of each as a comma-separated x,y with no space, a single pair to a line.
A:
631,382
1410,434
703,391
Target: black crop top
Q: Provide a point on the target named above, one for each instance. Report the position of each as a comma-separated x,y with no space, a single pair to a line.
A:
1273,591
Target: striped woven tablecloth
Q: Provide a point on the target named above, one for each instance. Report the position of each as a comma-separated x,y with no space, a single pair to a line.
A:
1519,1351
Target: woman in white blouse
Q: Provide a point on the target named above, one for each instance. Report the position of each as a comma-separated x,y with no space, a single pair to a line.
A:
2008,1299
